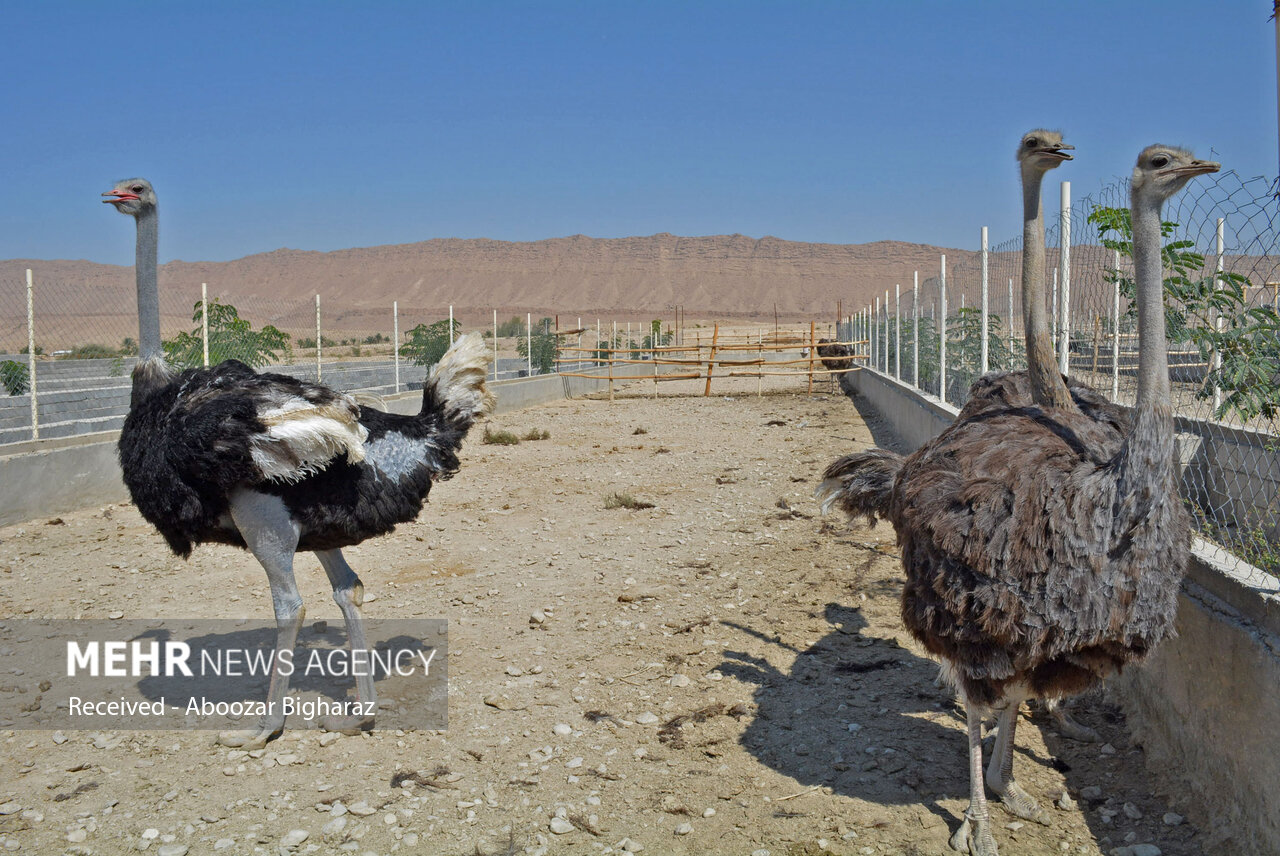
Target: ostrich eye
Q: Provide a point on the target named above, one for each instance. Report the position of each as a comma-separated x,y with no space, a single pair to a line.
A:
137,188
1031,142
1159,161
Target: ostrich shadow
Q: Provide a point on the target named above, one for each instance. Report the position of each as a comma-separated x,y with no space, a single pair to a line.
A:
858,714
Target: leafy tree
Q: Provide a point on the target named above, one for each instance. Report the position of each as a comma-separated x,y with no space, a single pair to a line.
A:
964,347
514,326
230,338
14,377
546,347
1249,341
427,343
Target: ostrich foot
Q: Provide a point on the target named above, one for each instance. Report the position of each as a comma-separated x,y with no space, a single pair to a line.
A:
1020,803
250,738
1067,726
980,843
349,725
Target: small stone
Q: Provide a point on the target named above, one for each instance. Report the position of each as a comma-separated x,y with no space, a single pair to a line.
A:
75,836
10,807
574,763
515,671
32,815
1015,826
1145,850
537,617
334,827
1107,749
684,829
709,813
1091,792
1131,811
287,759
150,834
679,681
115,615
293,838
390,818
361,809
562,729
560,826
59,738
646,718
760,852
630,845
329,738
1066,803
172,850
1171,819
224,843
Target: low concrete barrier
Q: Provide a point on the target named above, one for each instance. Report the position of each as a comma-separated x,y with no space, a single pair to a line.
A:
1206,706
41,478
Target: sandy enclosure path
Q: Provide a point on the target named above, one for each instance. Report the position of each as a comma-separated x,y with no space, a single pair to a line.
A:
728,670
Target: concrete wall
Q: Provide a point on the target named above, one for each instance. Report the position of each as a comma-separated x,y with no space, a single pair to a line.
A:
42,478
1206,705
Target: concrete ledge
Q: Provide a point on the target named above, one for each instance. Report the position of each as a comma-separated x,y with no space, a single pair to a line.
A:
42,478
1205,706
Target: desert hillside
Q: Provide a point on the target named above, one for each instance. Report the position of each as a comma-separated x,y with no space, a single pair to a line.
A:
641,277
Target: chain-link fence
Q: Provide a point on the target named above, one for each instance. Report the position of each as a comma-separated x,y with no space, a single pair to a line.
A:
1222,307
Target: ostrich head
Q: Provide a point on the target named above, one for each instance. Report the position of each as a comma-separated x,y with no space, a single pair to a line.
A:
1042,150
1164,170
132,196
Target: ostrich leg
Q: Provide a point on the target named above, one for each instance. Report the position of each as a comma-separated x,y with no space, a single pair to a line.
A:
1000,770
348,593
974,835
272,536
1066,725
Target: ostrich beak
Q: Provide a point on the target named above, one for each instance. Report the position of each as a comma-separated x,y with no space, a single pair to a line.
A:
1198,167
1060,152
121,196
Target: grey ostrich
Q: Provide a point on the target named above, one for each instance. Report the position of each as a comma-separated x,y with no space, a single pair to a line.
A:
277,465
1037,565
865,478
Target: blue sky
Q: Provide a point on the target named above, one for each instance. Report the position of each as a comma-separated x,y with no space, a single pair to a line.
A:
325,125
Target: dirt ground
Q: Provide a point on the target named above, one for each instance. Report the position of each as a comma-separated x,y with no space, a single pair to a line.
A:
723,673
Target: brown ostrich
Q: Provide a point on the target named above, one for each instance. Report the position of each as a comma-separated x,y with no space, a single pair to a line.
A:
1037,564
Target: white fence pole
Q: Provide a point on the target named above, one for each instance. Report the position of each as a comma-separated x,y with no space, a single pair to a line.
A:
875,340
1115,333
915,333
317,338
31,356
528,342
1218,323
1010,315
495,344
204,320
897,331
1053,313
984,359
395,339
1064,261
578,366
942,329
887,332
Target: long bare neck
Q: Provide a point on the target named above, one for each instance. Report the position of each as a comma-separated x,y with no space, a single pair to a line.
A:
1146,459
1047,386
149,346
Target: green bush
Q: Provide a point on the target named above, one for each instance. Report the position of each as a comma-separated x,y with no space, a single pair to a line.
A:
14,377
230,337
426,343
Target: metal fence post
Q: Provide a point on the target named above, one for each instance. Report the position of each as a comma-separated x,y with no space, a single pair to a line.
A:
1115,332
1218,323
1064,262
1010,322
897,331
875,334
915,333
204,320
31,356
317,338
942,329
984,359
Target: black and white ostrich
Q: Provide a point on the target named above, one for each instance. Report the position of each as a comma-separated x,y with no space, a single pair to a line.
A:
277,465
868,476
1036,564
